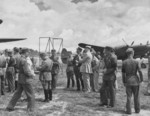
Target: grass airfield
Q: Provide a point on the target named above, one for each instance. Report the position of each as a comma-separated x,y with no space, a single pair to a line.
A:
69,102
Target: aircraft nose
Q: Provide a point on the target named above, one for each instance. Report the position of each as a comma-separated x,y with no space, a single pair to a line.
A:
1,21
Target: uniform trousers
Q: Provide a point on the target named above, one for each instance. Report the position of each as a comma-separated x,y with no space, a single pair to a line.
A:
28,89
86,80
2,85
135,91
54,80
107,91
96,80
79,79
11,81
70,78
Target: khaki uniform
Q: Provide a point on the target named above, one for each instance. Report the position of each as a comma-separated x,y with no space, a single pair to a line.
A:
132,81
25,81
46,77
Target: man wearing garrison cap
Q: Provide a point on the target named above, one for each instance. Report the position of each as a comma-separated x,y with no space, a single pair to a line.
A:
109,77
25,81
78,75
131,80
45,76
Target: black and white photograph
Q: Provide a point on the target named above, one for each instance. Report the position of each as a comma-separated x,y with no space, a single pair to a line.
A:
74,57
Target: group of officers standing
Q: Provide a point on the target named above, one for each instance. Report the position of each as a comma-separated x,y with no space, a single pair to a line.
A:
19,69
87,65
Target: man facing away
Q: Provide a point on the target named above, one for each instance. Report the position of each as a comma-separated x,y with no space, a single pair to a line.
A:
25,81
107,90
78,75
86,68
131,80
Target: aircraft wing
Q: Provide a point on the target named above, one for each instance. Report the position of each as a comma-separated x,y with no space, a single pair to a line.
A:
2,40
96,48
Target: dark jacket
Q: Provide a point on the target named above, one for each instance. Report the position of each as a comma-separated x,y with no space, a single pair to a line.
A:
111,66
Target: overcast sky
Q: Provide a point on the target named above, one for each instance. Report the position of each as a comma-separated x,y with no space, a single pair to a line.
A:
99,22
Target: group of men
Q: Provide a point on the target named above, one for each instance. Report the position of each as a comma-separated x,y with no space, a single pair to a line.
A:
86,67
20,74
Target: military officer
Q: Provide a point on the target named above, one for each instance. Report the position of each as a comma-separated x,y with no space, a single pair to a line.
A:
131,80
2,72
25,81
86,68
55,68
78,75
17,57
10,71
45,76
107,90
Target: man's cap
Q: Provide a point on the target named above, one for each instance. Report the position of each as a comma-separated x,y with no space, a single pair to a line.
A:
24,50
10,51
129,51
43,54
88,47
109,48
53,50
93,51
16,49
79,48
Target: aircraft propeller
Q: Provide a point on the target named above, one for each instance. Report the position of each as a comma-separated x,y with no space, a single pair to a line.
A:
132,43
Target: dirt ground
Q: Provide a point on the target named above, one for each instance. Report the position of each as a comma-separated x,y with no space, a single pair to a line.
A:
69,102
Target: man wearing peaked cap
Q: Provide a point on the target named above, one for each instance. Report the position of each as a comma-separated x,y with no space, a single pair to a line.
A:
131,80
86,68
45,76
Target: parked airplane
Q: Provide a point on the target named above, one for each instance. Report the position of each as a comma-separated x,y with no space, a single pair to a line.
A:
140,50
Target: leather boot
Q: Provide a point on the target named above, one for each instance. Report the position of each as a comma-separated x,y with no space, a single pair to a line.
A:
50,94
46,96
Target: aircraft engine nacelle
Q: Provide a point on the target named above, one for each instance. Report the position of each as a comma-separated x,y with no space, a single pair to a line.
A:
1,21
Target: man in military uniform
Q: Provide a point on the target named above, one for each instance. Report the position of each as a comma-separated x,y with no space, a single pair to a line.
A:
17,57
25,81
107,90
86,68
2,78
78,75
131,80
10,71
45,76
55,68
